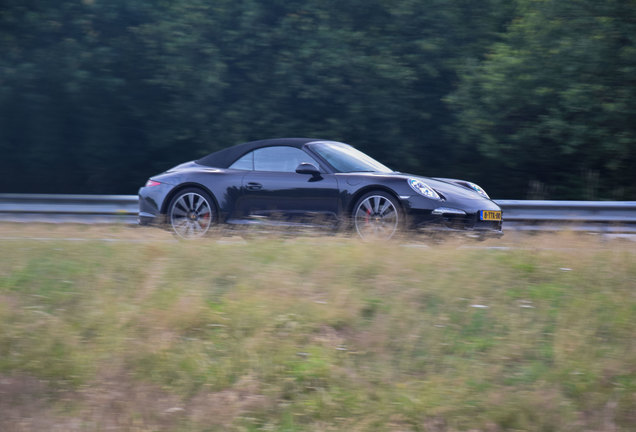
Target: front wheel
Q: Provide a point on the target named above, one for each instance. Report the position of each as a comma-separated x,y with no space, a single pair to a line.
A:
377,215
191,213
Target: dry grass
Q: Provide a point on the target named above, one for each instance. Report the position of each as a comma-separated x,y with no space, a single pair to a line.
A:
306,333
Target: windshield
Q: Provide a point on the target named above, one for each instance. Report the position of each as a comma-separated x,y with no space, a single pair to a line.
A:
345,159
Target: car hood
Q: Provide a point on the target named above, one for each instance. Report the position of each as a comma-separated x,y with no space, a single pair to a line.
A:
450,189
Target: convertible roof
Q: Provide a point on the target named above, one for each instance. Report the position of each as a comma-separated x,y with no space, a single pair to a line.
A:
224,158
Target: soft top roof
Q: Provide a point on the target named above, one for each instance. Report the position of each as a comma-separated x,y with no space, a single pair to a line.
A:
226,157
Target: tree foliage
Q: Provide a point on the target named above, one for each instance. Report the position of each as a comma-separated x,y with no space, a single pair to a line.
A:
555,101
97,95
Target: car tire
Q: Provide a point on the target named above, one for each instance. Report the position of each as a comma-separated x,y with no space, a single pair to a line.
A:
192,213
377,215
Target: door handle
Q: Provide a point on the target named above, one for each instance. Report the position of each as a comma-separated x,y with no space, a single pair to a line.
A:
253,186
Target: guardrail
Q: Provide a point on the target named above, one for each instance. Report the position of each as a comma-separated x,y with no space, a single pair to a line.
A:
69,208
596,216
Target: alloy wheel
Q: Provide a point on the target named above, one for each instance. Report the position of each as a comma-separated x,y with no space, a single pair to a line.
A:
191,215
376,216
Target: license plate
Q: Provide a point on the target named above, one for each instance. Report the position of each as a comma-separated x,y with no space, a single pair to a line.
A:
489,215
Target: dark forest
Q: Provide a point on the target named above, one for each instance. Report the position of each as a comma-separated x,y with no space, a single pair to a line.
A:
530,99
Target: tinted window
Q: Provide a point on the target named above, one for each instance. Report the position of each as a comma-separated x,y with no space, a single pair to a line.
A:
345,158
280,158
244,163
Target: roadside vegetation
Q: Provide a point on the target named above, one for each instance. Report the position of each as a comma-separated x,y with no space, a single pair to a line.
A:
317,334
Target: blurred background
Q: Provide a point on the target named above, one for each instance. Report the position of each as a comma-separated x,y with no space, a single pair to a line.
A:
531,99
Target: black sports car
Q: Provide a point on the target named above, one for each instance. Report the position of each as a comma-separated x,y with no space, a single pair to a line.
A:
310,182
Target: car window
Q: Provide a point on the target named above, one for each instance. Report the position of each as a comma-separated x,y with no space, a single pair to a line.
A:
244,163
280,159
345,158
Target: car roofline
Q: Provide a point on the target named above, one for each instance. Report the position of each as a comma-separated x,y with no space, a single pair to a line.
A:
225,157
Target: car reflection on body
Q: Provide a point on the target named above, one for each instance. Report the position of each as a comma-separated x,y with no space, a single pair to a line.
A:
311,182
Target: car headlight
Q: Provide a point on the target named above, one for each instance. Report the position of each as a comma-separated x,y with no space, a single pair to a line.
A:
423,189
478,189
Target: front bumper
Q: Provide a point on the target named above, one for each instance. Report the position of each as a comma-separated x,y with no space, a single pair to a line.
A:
468,223
462,217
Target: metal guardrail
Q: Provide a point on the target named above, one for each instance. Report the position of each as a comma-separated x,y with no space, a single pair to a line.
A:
597,216
69,208
593,216
586,211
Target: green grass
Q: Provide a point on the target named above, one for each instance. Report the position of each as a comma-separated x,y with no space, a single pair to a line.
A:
317,334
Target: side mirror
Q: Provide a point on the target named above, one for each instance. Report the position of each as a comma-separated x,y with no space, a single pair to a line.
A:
307,168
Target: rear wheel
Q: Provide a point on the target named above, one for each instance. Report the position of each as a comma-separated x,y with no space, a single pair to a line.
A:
192,213
377,215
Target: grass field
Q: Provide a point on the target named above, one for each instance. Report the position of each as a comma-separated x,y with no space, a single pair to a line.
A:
537,333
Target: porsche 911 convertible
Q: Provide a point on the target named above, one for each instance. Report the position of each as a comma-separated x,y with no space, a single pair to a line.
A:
311,182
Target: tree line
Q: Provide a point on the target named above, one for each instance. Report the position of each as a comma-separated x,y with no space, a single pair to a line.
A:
529,98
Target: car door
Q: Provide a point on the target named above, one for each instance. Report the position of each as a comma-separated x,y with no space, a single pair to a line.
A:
272,192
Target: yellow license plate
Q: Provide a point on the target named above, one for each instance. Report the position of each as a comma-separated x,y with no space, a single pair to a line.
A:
490,215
